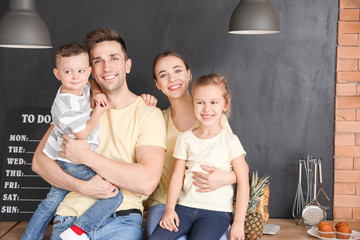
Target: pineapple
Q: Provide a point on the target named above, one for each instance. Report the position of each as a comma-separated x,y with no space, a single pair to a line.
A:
254,219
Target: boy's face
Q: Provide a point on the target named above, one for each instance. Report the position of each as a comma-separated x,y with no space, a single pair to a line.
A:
73,72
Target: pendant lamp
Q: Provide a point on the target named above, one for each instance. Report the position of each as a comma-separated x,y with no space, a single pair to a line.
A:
22,27
254,17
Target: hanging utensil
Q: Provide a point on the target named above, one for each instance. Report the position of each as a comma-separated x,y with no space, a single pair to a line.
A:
299,197
313,213
321,187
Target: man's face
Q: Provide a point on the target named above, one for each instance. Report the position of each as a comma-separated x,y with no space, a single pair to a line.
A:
109,65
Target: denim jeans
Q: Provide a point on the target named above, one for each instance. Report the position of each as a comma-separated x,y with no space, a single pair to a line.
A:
196,223
114,228
89,221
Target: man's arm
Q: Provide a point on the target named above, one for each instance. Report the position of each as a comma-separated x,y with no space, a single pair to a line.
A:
141,177
51,172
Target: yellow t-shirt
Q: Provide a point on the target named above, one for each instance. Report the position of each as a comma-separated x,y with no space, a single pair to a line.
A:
121,131
159,195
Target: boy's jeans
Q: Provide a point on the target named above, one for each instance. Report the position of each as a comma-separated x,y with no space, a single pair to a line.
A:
114,228
89,221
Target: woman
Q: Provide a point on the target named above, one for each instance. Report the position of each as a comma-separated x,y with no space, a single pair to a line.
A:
172,76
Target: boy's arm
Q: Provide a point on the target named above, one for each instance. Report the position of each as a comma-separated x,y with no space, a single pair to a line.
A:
91,123
242,197
100,104
51,172
94,87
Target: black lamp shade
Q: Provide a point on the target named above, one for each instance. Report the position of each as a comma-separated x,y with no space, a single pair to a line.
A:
254,17
22,27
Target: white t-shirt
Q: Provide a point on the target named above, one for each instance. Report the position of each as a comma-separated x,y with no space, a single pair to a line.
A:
217,152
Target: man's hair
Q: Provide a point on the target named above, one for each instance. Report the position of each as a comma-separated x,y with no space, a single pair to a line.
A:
69,49
101,35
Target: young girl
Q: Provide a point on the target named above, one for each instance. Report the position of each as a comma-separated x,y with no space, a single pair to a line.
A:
206,215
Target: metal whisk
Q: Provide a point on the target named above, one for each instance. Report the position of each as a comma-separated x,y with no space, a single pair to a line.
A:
299,202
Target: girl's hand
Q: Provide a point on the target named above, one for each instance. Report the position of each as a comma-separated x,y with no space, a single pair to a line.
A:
214,179
170,221
149,100
237,232
99,99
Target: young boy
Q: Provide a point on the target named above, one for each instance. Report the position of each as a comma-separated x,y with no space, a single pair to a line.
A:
72,115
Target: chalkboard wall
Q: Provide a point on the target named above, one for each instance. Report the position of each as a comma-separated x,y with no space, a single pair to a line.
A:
283,85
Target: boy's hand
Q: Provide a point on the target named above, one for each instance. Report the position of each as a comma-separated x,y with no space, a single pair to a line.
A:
170,221
99,99
149,100
237,232
101,104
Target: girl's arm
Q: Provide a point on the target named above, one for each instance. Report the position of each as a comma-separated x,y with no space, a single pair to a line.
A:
242,198
170,220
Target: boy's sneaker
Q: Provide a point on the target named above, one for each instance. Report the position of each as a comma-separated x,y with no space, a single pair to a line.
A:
69,234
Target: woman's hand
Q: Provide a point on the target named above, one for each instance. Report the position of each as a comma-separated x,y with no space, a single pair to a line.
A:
170,220
237,232
75,150
214,179
149,100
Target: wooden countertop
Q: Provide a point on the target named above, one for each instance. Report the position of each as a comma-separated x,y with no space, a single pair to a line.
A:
288,230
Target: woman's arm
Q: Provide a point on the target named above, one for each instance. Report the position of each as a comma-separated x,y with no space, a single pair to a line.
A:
170,220
214,179
51,172
242,198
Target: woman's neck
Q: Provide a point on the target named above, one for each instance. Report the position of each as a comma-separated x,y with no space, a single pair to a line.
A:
182,112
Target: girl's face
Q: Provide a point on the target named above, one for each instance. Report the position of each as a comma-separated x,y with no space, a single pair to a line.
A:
209,104
172,77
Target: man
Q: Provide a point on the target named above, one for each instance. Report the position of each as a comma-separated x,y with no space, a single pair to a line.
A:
130,154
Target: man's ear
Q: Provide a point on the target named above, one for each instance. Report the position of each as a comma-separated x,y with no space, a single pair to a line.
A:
89,71
56,73
128,64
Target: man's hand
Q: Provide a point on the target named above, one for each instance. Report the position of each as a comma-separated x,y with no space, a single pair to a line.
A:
97,187
75,150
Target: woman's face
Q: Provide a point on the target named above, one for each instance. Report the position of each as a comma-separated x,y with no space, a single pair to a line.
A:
172,77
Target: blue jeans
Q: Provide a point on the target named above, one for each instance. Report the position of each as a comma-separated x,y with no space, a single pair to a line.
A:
196,223
114,228
89,221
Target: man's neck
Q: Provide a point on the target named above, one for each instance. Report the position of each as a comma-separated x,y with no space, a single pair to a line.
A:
121,98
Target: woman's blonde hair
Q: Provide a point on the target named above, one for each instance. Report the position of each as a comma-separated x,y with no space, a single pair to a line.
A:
217,80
